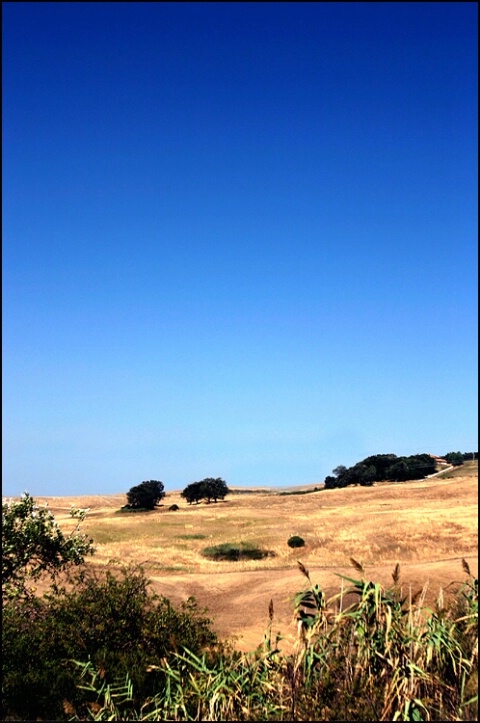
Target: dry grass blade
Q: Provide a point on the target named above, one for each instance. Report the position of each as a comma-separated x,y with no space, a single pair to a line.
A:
270,610
396,574
68,708
415,596
303,569
357,566
466,567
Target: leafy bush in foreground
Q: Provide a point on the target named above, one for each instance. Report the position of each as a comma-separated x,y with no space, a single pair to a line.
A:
33,545
111,620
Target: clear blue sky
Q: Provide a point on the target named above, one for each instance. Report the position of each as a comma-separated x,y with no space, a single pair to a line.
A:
239,240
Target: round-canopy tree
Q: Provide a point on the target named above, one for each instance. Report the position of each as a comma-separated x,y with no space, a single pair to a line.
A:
215,488
145,495
193,492
207,489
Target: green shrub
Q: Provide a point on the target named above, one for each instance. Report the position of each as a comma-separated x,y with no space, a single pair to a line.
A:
33,545
112,620
236,551
127,509
296,541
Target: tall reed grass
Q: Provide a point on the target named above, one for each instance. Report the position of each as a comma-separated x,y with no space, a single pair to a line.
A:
367,653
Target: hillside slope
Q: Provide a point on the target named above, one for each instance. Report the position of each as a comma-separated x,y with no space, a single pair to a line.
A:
427,526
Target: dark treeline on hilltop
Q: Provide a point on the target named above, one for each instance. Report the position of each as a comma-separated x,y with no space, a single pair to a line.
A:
376,468
381,467
465,456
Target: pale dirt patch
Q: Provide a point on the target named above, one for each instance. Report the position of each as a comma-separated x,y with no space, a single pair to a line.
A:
239,601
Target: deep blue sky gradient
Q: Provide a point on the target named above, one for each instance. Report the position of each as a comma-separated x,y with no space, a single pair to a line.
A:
239,240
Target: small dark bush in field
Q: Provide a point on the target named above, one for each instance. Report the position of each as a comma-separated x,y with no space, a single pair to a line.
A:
174,508
296,541
233,552
127,509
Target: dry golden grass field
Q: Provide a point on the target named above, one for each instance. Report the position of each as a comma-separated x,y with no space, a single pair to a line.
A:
427,526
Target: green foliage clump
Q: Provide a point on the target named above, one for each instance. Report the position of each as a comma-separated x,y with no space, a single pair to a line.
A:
455,458
33,545
236,551
126,509
145,495
207,489
296,541
380,467
112,620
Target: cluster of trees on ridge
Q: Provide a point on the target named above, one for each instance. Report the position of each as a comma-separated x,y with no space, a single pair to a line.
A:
376,468
147,495
379,467
458,458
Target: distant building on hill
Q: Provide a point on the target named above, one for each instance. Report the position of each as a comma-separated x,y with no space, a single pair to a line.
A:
439,460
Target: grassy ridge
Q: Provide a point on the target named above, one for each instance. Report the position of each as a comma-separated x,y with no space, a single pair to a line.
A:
417,524
432,519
